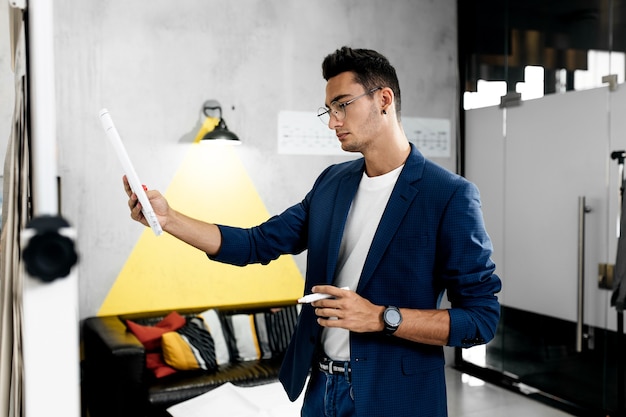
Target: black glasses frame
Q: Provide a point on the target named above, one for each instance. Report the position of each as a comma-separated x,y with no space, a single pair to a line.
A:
338,110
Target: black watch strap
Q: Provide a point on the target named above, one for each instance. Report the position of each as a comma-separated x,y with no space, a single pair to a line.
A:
392,319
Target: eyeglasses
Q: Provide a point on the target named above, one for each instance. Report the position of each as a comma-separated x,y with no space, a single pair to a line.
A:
338,110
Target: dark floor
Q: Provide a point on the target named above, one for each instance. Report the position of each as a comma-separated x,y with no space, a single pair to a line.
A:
471,397
539,353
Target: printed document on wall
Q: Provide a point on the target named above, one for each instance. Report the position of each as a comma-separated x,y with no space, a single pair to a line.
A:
301,133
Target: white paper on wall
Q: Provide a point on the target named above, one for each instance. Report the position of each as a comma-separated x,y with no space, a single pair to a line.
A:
301,133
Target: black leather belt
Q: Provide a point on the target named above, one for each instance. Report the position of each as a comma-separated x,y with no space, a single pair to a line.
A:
334,367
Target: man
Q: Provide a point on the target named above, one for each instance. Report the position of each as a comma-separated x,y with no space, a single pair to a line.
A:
397,230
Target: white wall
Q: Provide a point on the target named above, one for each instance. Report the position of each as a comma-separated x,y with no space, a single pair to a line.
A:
153,64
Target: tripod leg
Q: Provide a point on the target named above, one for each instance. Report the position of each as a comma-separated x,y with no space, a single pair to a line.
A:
621,404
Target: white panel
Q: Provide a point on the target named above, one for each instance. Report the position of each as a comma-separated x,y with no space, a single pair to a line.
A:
42,103
531,164
484,157
50,343
51,347
557,150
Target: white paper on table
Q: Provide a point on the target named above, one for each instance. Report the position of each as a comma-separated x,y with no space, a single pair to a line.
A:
222,401
228,400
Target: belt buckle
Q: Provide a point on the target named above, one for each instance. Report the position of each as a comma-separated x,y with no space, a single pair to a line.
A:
330,367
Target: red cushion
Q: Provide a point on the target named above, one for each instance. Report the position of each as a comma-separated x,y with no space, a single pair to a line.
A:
150,336
156,363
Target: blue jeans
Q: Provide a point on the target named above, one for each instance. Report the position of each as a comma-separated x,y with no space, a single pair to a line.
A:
328,396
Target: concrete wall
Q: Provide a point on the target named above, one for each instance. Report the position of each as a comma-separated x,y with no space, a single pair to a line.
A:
153,64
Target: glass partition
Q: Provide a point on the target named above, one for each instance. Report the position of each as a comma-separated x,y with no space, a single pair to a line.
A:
541,118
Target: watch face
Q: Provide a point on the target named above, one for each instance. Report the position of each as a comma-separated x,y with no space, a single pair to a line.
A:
392,316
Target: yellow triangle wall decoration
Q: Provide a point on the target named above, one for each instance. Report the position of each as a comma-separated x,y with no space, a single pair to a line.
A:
164,274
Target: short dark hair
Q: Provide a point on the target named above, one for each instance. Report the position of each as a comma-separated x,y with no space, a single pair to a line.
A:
370,69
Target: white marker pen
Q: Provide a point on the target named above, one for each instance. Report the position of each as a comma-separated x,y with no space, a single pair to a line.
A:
317,296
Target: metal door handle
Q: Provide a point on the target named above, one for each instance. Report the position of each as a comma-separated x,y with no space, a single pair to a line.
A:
582,211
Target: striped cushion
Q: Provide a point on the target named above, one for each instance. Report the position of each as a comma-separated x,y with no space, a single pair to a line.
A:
281,324
262,335
190,347
214,324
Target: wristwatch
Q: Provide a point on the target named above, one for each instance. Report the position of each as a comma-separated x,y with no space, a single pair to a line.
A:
392,319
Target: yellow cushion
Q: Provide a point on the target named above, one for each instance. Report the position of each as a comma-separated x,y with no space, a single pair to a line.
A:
190,347
177,352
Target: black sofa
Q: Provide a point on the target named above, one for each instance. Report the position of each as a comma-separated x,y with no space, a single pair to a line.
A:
117,383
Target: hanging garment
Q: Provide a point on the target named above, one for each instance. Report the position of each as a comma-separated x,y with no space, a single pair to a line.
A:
619,282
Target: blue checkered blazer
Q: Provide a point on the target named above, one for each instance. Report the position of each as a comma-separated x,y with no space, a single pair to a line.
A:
431,238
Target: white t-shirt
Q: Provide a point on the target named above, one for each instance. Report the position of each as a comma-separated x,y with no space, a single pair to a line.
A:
365,213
